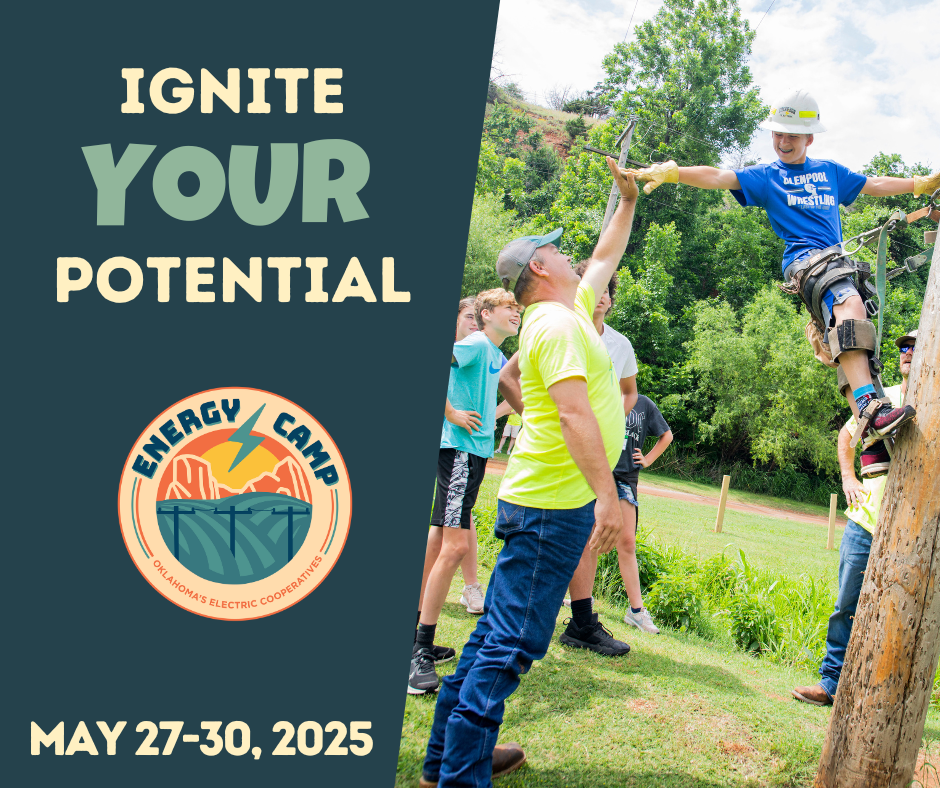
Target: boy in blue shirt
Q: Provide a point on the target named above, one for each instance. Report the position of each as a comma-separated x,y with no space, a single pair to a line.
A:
802,198
466,444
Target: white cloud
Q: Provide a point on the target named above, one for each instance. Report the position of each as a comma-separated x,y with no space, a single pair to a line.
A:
868,64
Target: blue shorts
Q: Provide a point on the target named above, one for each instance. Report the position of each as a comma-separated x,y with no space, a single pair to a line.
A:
626,491
839,291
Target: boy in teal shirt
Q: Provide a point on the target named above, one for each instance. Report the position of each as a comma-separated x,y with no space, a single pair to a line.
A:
466,444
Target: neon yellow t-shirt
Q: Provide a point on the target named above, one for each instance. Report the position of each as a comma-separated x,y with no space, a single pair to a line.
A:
557,343
514,419
866,514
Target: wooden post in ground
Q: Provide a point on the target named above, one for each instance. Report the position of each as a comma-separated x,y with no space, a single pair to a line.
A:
725,482
877,722
831,541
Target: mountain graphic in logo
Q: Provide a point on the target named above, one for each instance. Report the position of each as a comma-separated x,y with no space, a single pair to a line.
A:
264,518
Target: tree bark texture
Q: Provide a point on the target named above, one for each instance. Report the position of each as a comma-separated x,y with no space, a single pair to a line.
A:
877,721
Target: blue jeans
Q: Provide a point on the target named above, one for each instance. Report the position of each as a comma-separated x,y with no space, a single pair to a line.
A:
853,558
542,550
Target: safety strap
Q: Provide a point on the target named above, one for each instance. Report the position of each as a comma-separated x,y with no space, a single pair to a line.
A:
910,264
881,273
873,406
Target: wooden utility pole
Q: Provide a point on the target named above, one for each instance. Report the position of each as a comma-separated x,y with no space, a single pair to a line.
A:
877,722
624,142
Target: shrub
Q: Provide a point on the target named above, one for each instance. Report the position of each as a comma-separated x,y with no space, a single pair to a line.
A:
754,625
652,563
608,583
803,609
576,127
675,602
717,578
935,695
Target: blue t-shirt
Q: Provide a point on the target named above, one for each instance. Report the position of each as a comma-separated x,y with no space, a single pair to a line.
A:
474,378
802,201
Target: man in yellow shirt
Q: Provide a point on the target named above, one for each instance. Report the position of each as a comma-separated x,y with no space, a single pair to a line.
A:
558,486
864,500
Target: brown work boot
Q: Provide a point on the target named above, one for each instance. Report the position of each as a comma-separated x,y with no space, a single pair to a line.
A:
506,758
815,695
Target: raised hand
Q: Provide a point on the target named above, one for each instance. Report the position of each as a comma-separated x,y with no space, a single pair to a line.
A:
657,175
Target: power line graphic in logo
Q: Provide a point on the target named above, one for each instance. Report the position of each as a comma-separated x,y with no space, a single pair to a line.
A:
234,503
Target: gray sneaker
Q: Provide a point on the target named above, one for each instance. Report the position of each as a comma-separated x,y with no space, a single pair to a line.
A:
641,621
472,598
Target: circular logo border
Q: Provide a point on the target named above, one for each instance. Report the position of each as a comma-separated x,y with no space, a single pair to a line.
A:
293,596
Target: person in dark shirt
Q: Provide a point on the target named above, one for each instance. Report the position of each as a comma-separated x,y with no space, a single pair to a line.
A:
645,419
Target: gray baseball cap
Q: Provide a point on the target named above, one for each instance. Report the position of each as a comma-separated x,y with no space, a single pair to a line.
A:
516,254
910,336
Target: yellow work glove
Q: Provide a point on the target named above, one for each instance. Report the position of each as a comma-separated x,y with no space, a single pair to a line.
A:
924,184
657,175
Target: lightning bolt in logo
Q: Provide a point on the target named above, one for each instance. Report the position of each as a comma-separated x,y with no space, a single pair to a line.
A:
248,441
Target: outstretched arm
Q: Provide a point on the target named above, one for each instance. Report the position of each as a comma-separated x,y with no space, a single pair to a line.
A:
708,178
886,186
699,177
613,243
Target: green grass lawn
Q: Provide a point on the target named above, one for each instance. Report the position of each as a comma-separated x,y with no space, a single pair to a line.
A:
782,546
678,710
742,496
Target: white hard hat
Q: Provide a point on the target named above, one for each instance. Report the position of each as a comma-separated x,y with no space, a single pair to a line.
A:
795,113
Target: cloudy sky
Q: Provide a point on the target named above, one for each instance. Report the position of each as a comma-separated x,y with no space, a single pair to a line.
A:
871,65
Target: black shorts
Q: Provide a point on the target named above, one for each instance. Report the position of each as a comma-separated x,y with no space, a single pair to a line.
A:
459,476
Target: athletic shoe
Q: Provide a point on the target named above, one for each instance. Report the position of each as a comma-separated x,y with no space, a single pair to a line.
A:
506,758
423,678
875,459
815,695
442,654
472,598
593,637
641,621
567,602
885,422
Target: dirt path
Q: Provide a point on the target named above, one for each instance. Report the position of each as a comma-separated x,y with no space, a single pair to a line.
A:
495,466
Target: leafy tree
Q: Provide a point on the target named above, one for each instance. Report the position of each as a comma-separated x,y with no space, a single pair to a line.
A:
640,311
514,90
588,103
491,228
489,169
576,127
768,394
508,128
686,77
734,254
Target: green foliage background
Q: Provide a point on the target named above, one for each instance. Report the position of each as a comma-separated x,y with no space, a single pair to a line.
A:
720,349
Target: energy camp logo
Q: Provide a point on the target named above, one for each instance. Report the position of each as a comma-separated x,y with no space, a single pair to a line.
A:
234,503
